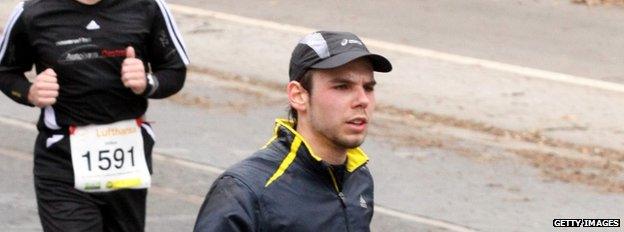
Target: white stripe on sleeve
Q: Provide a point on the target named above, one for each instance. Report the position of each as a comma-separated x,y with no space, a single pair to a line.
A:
173,31
17,11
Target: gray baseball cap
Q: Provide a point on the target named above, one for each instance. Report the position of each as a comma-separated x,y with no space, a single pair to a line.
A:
331,49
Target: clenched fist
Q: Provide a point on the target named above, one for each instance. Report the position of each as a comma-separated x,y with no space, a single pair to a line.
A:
133,72
44,90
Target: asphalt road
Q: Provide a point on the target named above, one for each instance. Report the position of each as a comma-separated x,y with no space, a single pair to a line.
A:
554,35
428,174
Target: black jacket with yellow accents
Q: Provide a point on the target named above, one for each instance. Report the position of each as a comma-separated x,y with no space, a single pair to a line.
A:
285,187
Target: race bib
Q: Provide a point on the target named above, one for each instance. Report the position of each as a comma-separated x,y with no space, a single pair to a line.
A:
109,157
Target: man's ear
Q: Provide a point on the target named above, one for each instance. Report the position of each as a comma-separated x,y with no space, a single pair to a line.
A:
297,96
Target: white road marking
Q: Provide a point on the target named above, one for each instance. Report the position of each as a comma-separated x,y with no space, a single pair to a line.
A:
189,164
421,52
422,220
217,171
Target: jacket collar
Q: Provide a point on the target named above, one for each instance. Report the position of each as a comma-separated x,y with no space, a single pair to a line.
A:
284,131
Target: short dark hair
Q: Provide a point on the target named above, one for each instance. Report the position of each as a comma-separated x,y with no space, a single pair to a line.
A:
306,82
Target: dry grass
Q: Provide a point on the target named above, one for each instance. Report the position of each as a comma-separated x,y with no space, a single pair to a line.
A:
603,175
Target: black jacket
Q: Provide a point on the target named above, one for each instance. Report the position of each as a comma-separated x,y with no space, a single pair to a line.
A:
285,187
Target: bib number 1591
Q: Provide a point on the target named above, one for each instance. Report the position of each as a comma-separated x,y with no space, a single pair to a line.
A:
107,159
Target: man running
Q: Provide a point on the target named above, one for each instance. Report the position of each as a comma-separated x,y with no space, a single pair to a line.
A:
312,175
97,63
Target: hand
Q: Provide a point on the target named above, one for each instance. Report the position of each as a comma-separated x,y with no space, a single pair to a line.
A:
133,72
44,90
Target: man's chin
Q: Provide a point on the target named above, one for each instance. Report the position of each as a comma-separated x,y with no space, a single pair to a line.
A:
353,142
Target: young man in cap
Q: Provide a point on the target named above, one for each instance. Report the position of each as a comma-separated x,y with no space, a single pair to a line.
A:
312,175
93,59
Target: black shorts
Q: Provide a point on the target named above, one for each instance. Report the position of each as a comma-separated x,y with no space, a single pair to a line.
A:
63,208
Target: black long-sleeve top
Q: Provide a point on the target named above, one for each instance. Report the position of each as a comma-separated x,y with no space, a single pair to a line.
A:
85,45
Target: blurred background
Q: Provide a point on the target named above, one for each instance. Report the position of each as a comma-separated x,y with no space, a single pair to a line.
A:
498,116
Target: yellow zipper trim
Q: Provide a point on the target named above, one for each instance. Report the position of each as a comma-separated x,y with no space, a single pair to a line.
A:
331,173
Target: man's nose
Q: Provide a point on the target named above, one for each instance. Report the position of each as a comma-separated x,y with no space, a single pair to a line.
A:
363,98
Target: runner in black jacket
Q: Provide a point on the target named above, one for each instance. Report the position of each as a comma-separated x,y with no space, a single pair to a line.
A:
98,61
312,176
284,188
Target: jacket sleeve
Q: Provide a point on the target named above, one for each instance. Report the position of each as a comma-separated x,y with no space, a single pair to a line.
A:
15,58
167,54
229,206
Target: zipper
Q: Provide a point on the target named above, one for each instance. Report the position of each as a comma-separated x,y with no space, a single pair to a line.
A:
341,197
